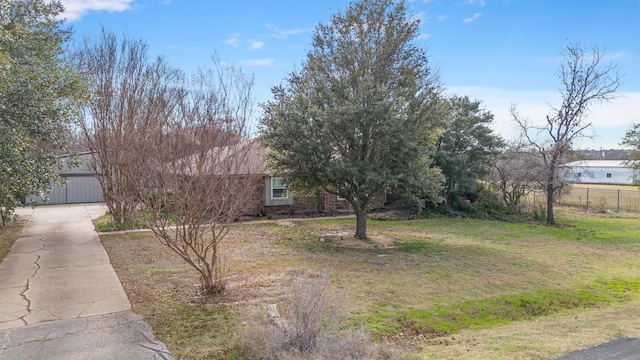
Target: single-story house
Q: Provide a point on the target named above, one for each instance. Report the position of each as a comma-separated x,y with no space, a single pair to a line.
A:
272,196
82,185
602,172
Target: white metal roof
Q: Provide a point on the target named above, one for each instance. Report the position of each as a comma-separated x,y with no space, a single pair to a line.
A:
598,164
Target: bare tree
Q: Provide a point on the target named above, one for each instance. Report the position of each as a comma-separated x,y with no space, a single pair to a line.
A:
586,79
130,95
632,139
513,174
206,172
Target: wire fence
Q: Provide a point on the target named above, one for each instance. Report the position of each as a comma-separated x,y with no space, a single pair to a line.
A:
595,198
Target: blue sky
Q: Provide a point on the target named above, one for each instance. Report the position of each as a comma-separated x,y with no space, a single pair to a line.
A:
497,51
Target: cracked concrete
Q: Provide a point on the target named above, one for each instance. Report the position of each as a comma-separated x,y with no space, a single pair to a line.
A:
58,269
58,277
120,335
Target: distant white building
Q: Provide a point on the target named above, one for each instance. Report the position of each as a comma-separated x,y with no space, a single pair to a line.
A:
602,172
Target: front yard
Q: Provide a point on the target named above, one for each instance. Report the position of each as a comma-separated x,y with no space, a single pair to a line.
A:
434,288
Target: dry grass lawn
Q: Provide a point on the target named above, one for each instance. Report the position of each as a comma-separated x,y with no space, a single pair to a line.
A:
444,288
603,197
8,236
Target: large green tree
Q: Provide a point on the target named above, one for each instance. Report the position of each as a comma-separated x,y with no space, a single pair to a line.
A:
39,93
465,150
361,116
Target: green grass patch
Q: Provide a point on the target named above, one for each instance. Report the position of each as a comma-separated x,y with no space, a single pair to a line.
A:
192,328
496,311
593,229
619,231
106,223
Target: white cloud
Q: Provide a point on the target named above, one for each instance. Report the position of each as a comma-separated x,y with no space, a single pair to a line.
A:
258,62
472,18
278,33
443,18
233,40
75,9
609,119
256,45
424,36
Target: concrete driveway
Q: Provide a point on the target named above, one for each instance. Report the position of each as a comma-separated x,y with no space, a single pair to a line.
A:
61,298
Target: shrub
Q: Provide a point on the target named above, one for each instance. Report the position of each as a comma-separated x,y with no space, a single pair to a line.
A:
308,327
489,202
539,212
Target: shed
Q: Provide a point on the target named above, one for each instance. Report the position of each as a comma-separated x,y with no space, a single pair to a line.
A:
602,172
82,185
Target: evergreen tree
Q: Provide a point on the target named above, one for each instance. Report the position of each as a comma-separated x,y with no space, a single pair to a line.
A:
39,94
362,116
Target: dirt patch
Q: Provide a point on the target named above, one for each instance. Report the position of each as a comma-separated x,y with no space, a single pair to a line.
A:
345,239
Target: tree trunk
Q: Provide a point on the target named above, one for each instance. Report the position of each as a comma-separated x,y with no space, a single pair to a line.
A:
361,223
550,191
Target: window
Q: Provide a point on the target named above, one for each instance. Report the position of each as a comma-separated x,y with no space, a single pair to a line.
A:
608,175
278,189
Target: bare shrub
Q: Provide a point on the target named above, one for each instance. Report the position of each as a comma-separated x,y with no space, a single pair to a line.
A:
309,327
205,171
307,310
173,148
513,173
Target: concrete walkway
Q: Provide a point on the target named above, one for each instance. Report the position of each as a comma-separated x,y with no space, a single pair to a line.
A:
61,298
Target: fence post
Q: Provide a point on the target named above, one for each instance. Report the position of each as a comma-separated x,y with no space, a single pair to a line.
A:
587,198
618,200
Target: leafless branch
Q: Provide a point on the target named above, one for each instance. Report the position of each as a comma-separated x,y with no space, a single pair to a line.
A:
585,80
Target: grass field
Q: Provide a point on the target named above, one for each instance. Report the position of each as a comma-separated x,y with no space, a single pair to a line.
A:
598,197
438,288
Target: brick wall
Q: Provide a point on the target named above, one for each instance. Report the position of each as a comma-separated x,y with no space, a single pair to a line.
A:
327,203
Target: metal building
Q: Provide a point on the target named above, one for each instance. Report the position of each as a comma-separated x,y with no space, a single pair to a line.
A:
82,185
602,172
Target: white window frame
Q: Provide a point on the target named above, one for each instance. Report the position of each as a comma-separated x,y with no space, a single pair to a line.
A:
277,183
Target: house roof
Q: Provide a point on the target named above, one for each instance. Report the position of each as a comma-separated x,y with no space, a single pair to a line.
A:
245,158
598,164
